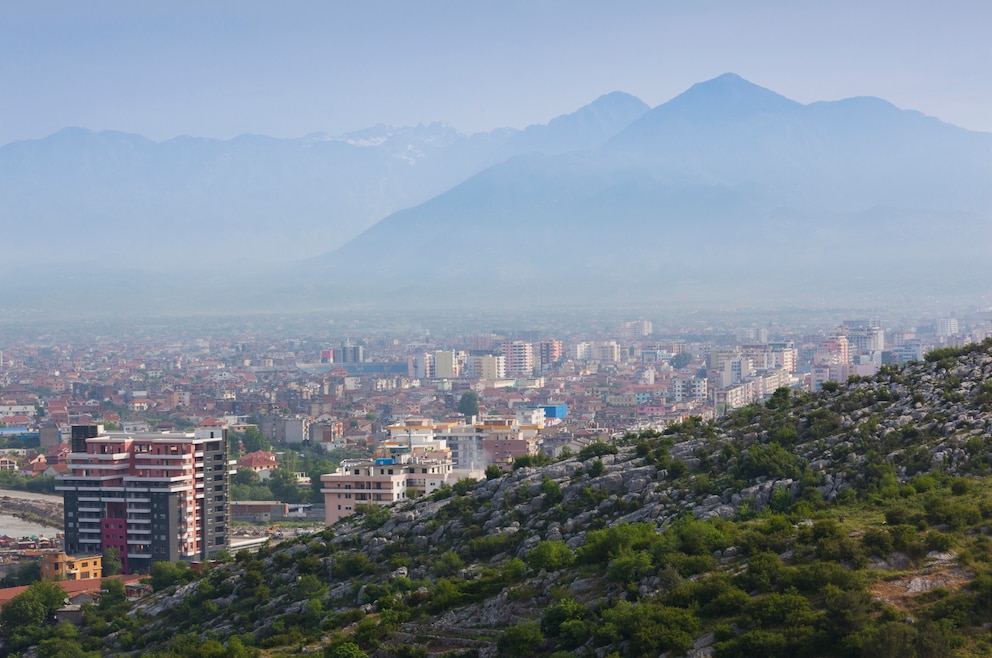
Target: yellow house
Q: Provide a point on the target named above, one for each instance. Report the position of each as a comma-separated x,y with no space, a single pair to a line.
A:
59,566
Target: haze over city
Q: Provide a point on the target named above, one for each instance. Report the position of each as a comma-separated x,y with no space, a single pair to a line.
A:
319,155
397,329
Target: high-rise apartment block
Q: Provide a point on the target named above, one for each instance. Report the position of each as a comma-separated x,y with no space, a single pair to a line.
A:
636,329
836,350
519,358
550,352
947,327
606,351
152,497
445,365
349,353
864,335
487,366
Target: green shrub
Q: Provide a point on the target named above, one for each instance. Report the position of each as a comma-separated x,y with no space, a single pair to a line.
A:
597,449
877,542
563,611
771,461
524,639
551,491
550,555
630,566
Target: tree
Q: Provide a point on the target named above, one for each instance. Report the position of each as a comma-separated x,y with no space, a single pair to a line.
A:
780,398
114,594
30,609
524,639
253,440
596,449
166,574
551,555
111,562
681,360
493,471
448,564
284,486
246,476
469,404
27,573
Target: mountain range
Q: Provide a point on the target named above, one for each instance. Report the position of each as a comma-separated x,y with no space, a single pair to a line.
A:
729,189
79,196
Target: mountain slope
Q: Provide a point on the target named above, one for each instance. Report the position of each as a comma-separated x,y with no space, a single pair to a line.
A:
79,196
727,182
845,155
583,130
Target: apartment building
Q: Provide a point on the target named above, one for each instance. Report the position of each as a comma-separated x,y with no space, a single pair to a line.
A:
519,358
153,497
487,366
60,566
445,365
382,481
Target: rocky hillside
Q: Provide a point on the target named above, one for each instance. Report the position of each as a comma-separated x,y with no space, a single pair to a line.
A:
854,522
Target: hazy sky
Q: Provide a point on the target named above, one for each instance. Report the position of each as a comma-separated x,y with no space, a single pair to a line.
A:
218,69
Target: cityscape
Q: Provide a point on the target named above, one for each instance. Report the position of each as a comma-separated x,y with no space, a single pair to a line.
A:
438,408
558,329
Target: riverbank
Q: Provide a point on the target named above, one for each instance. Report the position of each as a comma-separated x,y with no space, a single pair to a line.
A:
37,508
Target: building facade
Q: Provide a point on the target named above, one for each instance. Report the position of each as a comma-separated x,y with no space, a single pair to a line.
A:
381,481
153,497
59,566
519,358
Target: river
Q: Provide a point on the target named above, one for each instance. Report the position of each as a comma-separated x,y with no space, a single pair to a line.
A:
41,504
17,528
27,495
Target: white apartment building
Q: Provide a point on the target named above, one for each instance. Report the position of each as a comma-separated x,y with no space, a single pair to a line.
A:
487,367
445,365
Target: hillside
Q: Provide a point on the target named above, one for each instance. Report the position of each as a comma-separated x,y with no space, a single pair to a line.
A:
854,522
78,196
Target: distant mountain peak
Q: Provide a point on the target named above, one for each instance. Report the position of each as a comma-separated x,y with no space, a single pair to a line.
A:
618,98
730,93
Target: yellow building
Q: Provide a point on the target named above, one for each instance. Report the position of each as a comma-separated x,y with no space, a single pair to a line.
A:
59,566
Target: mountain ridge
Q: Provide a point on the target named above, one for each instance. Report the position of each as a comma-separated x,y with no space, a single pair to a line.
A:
674,176
599,213
266,198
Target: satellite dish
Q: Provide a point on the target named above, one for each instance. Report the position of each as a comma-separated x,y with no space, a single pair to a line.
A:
65,600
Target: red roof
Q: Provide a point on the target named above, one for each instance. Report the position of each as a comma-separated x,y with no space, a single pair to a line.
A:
70,587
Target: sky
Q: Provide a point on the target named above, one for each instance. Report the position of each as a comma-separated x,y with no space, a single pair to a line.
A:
286,69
